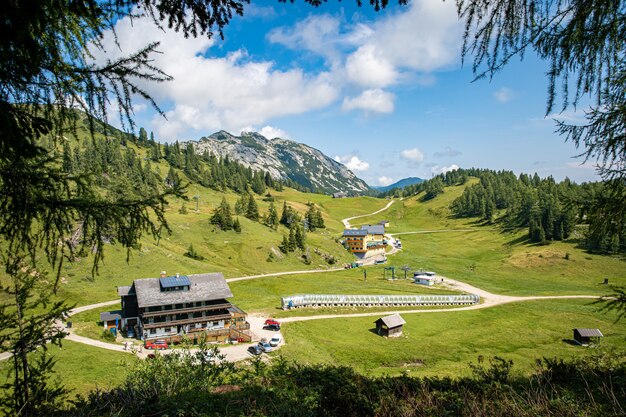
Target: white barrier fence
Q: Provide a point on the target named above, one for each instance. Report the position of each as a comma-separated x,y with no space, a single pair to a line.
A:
329,300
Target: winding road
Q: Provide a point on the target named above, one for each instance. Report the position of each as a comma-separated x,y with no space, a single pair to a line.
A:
239,352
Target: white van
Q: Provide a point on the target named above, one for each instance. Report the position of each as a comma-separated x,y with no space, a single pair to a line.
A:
275,341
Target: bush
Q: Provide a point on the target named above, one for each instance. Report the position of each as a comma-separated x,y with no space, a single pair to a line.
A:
108,335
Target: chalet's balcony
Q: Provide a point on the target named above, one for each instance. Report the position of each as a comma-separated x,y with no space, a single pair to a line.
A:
221,306
186,321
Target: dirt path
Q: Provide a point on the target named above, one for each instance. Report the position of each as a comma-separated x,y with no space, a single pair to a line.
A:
346,222
437,231
277,274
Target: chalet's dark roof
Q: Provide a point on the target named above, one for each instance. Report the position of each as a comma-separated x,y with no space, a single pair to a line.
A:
174,281
392,321
125,290
203,287
376,229
355,232
110,315
589,332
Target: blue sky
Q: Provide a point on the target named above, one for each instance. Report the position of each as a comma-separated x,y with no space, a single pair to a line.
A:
385,93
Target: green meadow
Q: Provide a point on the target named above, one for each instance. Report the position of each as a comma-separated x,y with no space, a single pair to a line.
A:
443,343
437,343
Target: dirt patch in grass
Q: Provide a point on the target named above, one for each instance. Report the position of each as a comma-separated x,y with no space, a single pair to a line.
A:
547,257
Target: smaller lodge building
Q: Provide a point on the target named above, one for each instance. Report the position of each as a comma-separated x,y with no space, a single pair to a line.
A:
390,326
586,336
367,241
424,278
173,307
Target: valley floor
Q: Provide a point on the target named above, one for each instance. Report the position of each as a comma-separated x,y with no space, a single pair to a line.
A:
436,340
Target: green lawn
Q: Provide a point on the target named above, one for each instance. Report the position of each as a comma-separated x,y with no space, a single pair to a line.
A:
434,343
444,343
497,262
82,368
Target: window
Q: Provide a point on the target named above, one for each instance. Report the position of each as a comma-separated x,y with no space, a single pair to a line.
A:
178,306
168,307
152,331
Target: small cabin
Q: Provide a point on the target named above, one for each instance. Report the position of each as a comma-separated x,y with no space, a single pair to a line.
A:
384,223
424,280
586,336
111,319
390,326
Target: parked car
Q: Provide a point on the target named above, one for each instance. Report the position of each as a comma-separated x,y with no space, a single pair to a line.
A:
265,347
255,350
275,341
274,327
156,344
269,322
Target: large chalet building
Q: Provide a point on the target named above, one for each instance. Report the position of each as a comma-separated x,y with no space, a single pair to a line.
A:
367,241
173,307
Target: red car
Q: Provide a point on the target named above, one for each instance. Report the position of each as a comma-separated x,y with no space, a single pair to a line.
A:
156,344
270,322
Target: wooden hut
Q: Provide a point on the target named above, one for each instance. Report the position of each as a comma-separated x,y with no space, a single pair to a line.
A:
586,336
390,326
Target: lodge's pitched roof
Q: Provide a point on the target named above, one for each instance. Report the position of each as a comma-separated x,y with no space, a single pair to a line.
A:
204,287
375,229
355,232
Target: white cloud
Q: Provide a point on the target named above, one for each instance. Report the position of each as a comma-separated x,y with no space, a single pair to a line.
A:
272,132
318,34
210,93
442,170
405,46
414,155
424,37
376,100
503,95
353,163
384,181
367,67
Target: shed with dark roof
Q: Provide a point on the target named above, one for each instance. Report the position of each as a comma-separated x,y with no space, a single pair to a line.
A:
111,319
390,326
586,336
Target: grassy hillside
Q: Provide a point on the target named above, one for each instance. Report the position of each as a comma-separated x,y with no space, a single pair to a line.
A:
444,343
434,343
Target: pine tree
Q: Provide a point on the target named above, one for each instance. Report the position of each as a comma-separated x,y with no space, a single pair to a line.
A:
272,216
222,216
292,243
284,216
28,317
241,205
252,211
299,237
284,245
237,225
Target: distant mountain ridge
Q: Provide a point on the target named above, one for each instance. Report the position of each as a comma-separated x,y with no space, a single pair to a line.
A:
284,159
400,184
